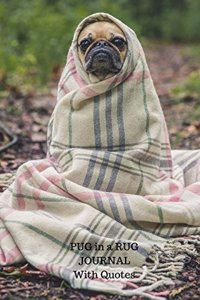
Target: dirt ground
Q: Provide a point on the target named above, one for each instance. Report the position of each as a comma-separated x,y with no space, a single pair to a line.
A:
27,117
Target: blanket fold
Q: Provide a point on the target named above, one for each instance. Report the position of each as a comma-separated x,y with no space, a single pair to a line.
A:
110,181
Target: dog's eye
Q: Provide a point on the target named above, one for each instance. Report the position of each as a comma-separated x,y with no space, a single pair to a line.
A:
119,42
84,44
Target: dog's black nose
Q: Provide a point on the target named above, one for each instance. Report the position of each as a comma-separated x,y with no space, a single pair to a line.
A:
102,44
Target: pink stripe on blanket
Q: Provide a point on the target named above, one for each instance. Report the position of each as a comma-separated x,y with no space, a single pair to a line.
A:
176,197
194,188
38,199
88,92
79,80
21,203
174,187
3,234
45,185
62,83
162,293
88,196
51,268
82,84
131,284
85,196
10,257
76,76
138,76
70,61
64,88
28,169
31,167
51,184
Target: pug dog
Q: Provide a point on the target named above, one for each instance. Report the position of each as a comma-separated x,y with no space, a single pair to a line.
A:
102,48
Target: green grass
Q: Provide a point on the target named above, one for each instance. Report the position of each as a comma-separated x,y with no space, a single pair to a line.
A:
189,88
192,51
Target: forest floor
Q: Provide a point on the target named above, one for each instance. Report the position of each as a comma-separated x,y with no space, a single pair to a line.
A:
27,118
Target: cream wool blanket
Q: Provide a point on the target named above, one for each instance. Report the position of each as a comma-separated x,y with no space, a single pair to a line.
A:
110,177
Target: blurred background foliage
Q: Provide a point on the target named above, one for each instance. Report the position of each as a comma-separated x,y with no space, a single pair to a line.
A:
36,34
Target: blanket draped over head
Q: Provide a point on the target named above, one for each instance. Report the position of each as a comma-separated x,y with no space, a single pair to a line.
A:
110,177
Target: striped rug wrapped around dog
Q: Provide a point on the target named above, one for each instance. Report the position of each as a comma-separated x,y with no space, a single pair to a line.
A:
111,206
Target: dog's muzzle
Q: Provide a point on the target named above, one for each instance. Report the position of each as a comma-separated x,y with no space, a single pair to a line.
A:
102,58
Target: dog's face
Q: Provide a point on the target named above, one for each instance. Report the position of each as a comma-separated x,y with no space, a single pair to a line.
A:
102,49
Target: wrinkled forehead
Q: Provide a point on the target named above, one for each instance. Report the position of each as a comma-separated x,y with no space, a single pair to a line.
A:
100,29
